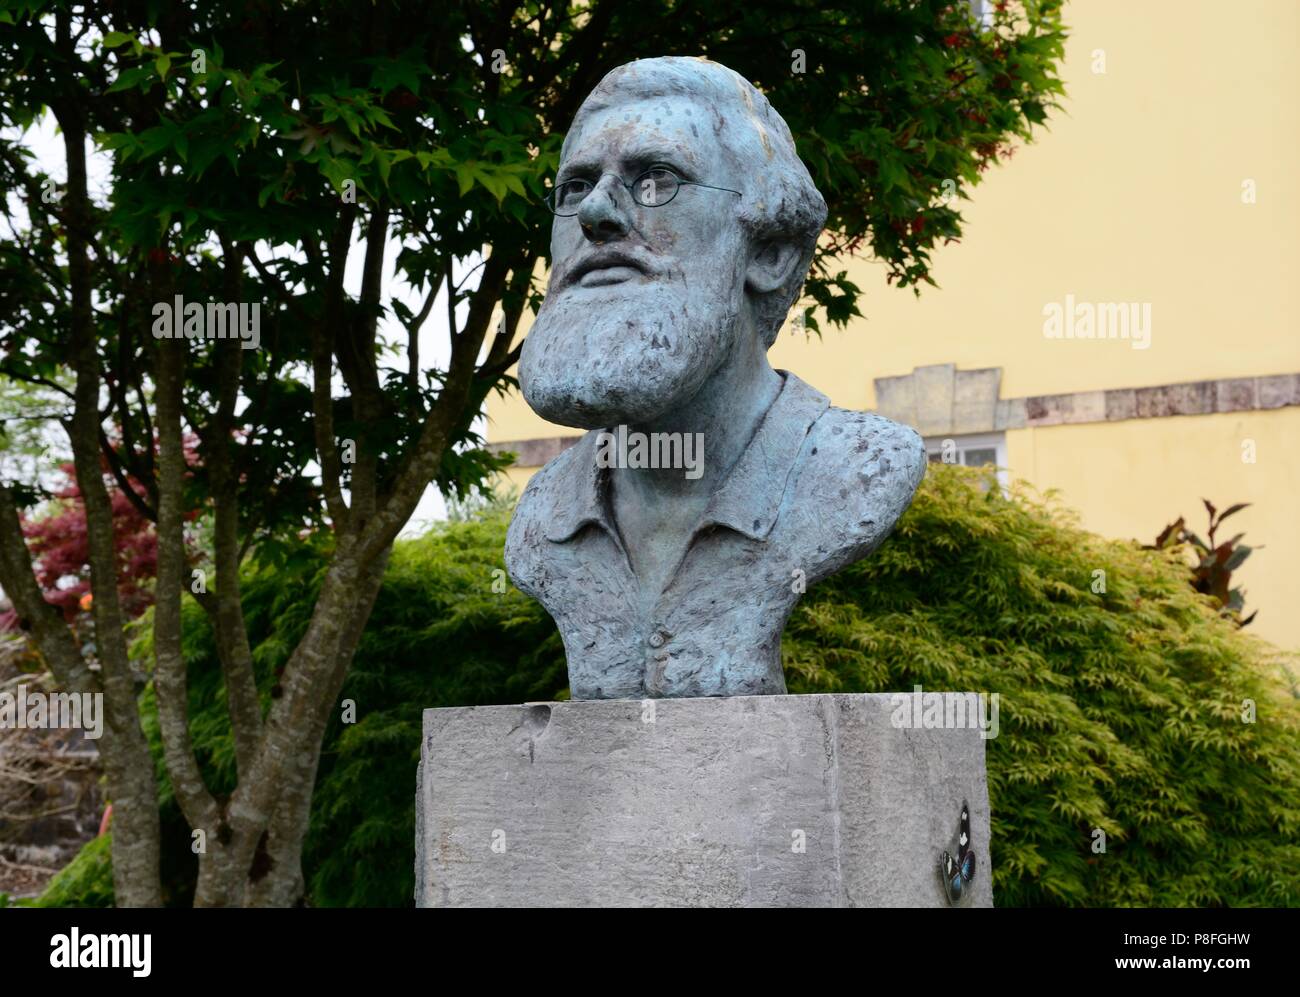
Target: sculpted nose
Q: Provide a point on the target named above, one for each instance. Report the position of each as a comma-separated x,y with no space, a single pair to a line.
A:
602,214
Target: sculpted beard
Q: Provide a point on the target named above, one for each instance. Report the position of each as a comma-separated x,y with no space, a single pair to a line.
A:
631,351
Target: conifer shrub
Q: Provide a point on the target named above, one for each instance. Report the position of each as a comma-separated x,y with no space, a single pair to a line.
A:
1124,698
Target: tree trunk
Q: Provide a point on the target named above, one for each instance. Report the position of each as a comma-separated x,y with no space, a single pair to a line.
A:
126,753
280,883
122,747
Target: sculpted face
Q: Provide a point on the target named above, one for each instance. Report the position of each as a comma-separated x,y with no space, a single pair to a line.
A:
644,303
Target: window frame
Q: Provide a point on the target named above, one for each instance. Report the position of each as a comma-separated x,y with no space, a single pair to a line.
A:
997,442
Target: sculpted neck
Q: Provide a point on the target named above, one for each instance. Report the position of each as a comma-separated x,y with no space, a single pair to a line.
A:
726,411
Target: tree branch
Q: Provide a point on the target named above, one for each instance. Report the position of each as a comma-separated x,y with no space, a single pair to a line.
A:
322,363
170,680
39,620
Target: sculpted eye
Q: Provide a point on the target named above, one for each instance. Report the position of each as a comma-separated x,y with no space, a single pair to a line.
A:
568,195
656,186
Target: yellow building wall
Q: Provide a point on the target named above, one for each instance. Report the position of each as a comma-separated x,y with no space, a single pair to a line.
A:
1133,194
514,478
1131,479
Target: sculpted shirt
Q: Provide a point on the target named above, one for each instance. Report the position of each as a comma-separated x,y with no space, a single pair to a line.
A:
816,489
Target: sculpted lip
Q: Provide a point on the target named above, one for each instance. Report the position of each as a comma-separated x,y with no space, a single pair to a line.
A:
600,276
606,268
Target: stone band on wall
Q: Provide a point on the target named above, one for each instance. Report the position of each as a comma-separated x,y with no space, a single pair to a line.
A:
1241,394
534,452
940,400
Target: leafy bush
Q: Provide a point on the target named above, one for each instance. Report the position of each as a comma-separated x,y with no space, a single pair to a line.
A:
86,881
1120,709
439,636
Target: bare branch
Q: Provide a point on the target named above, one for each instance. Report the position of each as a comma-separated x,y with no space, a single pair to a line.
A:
323,367
413,339
232,634
119,475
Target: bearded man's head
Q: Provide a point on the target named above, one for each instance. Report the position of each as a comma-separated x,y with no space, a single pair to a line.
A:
685,221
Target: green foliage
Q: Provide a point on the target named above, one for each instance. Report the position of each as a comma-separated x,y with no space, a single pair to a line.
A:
86,881
1120,709
439,636
229,126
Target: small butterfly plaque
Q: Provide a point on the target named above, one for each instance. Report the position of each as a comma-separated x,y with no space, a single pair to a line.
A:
958,872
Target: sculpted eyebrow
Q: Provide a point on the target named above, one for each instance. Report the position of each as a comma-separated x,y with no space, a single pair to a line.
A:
577,168
677,161
644,158
633,163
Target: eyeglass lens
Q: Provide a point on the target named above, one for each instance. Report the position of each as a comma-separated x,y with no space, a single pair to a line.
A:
651,189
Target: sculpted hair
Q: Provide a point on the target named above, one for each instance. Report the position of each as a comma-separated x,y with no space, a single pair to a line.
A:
780,201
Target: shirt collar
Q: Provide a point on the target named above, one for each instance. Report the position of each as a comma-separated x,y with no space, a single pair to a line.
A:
748,500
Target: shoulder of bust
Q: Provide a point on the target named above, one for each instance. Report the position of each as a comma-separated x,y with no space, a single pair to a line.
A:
857,474
536,509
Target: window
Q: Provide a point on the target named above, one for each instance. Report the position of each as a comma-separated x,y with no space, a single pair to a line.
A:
971,450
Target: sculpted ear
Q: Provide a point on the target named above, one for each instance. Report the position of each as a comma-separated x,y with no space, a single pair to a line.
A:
772,267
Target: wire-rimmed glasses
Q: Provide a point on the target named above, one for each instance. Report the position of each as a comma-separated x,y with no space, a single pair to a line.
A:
652,189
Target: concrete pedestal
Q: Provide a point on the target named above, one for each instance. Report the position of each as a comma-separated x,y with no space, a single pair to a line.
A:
754,801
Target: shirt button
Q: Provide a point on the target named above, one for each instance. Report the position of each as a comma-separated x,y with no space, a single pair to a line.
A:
656,640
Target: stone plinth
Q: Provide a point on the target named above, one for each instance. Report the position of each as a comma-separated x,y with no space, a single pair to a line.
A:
751,801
